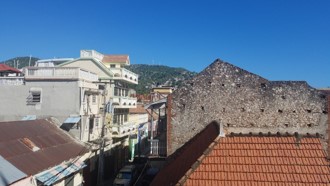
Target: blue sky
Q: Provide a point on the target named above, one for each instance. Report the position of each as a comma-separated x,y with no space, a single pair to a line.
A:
277,39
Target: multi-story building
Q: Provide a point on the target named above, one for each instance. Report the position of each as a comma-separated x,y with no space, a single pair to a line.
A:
115,80
68,94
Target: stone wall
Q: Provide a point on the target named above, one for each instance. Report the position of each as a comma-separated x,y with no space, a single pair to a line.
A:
244,102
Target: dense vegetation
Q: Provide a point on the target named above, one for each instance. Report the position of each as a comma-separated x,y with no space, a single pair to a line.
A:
149,75
153,75
20,62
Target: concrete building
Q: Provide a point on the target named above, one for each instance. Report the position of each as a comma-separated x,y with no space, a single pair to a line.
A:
114,79
158,93
243,102
68,94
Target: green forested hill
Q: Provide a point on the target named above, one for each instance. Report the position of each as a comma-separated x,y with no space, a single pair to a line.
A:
153,75
149,75
20,62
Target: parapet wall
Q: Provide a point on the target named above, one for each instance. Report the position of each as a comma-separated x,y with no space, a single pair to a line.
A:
244,102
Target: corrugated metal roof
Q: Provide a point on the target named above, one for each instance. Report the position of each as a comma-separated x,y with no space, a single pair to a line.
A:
55,145
9,173
157,104
58,172
72,119
29,117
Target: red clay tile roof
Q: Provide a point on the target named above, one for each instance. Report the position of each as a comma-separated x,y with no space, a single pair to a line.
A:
115,59
55,146
262,161
182,160
138,110
6,68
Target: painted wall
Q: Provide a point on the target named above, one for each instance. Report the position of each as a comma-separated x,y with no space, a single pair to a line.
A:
58,99
89,65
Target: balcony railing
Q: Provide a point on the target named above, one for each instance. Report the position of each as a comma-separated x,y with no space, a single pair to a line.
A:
123,130
124,74
124,102
59,73
11,81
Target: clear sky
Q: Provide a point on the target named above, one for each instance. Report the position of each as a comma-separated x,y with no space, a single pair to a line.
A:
277,39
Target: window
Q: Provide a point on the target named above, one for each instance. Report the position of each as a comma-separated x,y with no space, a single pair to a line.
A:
115,119
112,66
116,92
96,121
125,117
36,97
94,99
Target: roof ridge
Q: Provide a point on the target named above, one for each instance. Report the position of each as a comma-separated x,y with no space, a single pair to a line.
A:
199,160
272,134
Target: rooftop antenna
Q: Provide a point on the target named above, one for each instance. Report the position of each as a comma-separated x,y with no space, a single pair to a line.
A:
30,61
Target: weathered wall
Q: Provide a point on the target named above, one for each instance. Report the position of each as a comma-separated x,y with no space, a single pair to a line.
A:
244,102
58,99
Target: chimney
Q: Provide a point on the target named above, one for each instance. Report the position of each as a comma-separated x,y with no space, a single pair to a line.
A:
328,129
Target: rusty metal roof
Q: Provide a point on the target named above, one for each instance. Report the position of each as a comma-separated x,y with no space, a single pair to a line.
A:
36,145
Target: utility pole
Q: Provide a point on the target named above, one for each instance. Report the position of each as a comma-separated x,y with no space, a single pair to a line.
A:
30,61
151,131
100,172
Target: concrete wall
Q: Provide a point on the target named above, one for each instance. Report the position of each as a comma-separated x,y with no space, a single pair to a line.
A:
244,102
58,99
89,65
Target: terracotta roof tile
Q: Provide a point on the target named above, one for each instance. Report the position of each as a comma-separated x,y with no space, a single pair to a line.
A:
263,161
115,59
6,68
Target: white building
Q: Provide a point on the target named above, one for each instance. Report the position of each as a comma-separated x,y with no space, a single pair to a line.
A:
68,94
114,79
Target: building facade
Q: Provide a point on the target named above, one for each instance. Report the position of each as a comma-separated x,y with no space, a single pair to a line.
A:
67,94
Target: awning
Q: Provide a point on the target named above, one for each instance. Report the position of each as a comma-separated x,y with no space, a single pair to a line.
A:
9,173
75,119
51,176
29,117
157,104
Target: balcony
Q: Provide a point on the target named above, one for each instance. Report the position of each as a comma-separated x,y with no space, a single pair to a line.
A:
11,80
123,130
124,74
59,73
124,102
